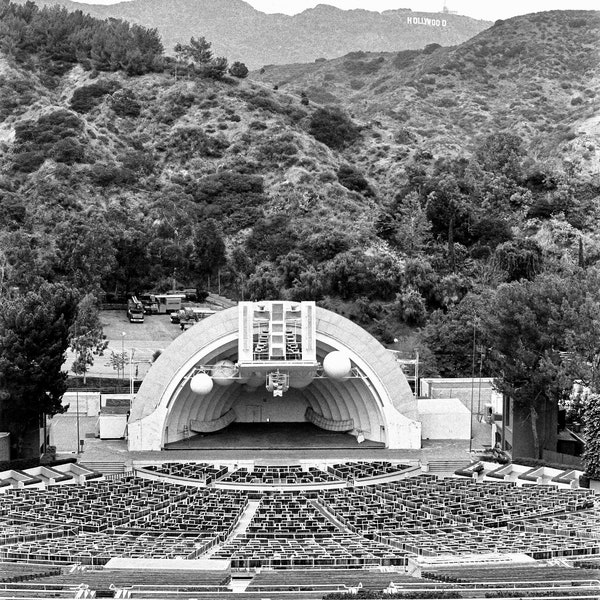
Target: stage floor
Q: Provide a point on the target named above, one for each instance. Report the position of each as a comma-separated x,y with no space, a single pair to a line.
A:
272,436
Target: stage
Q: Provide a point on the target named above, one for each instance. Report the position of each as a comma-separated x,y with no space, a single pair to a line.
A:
272,436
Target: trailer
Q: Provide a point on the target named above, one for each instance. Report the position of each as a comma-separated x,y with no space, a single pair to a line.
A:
168,303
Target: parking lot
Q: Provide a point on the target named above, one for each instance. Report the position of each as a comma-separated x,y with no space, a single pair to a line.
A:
155,333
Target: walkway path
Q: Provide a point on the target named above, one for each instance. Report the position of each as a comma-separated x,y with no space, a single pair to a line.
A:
239,529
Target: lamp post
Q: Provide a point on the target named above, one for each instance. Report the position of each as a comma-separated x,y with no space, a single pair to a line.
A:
122,361
472,390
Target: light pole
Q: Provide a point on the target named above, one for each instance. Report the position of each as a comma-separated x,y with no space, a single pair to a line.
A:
472,389
122,361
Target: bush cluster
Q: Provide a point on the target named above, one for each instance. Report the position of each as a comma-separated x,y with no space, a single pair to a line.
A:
53,135
88,96
352,179
333,128
125,104
193,141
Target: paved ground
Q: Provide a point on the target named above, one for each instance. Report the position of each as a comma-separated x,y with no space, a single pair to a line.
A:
155,333
116,450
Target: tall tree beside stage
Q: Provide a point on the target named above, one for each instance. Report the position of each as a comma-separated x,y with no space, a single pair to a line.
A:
34,334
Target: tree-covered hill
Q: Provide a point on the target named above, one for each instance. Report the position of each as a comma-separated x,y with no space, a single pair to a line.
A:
440,190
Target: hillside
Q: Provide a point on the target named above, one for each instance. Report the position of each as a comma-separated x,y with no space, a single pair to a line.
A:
242,33
536,75
395,188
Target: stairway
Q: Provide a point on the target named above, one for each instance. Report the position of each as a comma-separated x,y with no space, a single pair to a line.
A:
239,529
291,346
447,466
262,345
106,467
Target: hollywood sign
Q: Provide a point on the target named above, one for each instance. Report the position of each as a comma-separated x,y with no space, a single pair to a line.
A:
426,21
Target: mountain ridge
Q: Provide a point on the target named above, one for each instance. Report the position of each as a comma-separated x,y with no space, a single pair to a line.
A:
242,33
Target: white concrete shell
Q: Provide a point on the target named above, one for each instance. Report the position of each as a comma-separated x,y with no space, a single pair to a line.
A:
380,403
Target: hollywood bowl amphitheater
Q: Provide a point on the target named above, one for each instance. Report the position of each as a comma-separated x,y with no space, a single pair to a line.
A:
272,455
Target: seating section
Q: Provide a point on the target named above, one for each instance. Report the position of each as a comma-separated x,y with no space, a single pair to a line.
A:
210,511
96,506
292,530
426,516
365,470
378,524
99,548
279,475
585,525
202,471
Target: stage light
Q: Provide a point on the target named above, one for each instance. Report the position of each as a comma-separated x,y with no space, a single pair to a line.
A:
337,365
201,384
223,373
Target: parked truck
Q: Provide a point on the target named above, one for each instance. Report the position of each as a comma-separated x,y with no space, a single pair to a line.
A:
135,310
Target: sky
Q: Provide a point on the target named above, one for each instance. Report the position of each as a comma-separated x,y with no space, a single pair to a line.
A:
478,9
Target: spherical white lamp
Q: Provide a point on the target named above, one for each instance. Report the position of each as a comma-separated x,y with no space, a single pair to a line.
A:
201,384
223,373
337,365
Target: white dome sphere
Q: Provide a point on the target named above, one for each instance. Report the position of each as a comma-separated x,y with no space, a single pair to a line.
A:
301,381
223,372
337,365
201,384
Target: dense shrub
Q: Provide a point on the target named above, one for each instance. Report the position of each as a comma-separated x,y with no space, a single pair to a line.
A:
271,237
405,58
48,129
363,68
105,174
278,149
125,104
16,95
410,307
193,141
87,97
138,161
239,70
333,128
431,48
68,151
54,135
28,162
233,197
352,179
12,210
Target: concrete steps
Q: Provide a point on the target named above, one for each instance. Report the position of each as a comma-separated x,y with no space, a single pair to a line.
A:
106,467
447,466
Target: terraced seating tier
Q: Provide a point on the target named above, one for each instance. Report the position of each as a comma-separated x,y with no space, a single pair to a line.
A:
320,578
543,575
103,578
279,475
18,572
365,470
204,472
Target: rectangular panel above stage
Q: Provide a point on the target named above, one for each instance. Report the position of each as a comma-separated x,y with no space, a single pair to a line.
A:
277,332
